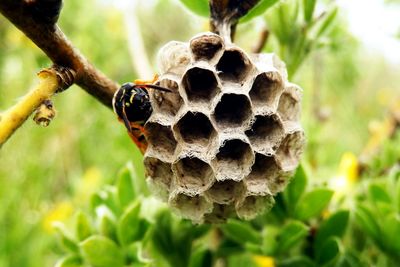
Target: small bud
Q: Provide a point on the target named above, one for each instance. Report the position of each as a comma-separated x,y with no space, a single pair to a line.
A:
45,113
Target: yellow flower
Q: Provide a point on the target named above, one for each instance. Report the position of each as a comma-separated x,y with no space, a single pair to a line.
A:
348,167
60,213
347,174
264,261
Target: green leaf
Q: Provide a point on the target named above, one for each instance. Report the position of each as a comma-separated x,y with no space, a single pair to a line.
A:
108,228
67,242
100,251
126,192
296,261
367,222
391,229
291,234
378,194
201,257
70,261
83,227
131,227
326,22
296,188
335,225
199,7
309,6
313,203
329,251
258,10
240,232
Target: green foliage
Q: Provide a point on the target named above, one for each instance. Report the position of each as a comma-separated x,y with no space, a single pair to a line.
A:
199,7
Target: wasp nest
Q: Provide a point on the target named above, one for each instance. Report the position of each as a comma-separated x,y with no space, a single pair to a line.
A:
228,138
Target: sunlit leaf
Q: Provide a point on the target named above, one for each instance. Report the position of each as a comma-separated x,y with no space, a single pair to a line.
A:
83,227
131,227
126,193
291,234
259,9
240,232
70,261
100,251
296,188
199,7
313,203
308,6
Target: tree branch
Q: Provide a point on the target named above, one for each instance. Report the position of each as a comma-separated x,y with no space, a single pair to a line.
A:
49,83
52,41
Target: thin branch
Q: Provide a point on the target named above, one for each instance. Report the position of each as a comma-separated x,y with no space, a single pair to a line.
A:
262,41
225,15
139,57
13,118
52,41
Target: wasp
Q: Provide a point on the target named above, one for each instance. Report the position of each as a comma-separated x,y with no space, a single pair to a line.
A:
132,105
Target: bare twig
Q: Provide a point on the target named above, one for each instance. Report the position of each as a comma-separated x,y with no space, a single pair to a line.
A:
262,41
225,14
52,41
13,118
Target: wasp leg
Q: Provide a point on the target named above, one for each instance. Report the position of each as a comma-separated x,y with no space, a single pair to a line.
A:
139,141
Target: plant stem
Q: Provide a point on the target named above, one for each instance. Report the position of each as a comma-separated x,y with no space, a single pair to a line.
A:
15,116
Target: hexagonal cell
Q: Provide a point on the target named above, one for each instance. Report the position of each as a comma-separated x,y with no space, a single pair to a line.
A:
195,128
289,152
200,84
220,213
266,89
232,111
190,207
263,175
225,192
206,46
167,103
193,174
160,138
266,132
158,170
233,161
251,206
173,56
289,104
234,65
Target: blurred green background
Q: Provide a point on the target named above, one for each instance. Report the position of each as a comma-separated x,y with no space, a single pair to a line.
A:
46,174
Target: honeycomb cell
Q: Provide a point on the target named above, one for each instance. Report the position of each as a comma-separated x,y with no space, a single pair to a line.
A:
266,89
206,46
195,127
160,138
173,56
200,85
233,161
289,104
266,133
167,103
232,111
190,207
289,152
159,171
193,174
234,65
224,192
263,175
220,213
251,206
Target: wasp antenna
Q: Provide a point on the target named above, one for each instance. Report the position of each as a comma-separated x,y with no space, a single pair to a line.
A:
156,87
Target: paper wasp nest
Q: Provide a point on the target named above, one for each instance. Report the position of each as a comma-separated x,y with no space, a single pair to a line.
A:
228,139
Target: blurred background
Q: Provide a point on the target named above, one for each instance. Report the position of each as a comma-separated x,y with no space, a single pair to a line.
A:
350,77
